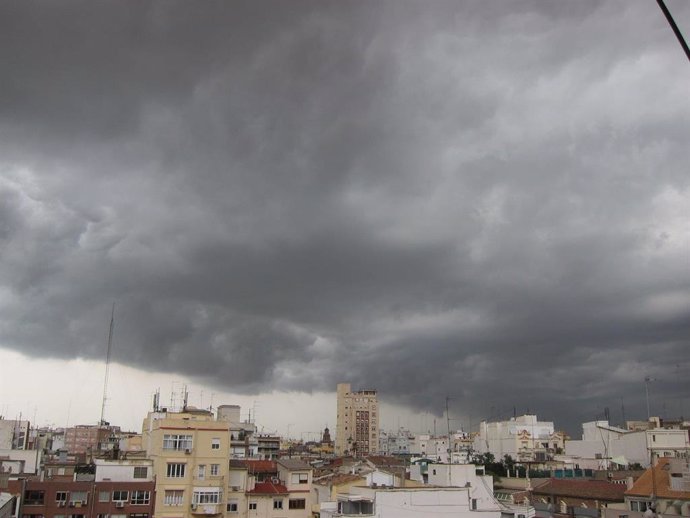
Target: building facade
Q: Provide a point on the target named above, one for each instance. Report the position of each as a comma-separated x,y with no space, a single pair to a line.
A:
114,489
524,438
90,438
190,451
357,422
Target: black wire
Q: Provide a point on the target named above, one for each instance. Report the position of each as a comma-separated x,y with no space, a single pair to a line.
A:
675,28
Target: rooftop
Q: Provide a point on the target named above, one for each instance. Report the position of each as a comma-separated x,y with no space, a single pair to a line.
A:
659,478
268,488
294,464
585,489
254,466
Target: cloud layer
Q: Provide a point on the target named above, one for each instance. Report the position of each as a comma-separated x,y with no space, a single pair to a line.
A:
488,201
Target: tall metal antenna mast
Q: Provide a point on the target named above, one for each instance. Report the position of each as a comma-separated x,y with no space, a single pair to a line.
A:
107,364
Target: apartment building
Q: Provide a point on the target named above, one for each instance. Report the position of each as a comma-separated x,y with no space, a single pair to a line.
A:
190,451
268,489
114,489
357,422
524,438
663,488
14,434
90,438
609,445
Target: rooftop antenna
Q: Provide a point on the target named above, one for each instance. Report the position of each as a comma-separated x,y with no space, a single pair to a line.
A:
647,380
107,364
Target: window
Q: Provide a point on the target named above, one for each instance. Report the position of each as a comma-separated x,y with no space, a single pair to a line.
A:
298,503
104,496
175,470
61,496
215,468
201,471
638,505
177,442
173,497
233,506
206,497
215,443
474,504
300,478
140,497
120,496
32,497
79,497
277,504
141,471
252,506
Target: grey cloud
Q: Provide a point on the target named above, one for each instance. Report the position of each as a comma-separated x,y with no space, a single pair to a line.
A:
479,200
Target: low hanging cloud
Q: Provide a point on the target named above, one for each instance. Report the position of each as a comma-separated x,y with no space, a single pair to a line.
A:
487,201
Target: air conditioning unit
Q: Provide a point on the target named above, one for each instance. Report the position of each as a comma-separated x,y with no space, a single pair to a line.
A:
188,451
275,480
234,488
120,505
71,504
193,507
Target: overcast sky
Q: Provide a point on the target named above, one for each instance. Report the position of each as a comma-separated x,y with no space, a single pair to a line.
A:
487,200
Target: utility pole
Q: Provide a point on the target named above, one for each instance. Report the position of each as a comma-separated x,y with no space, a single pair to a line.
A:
647,380
107,364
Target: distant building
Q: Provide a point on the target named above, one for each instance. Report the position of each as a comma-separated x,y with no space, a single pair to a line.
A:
437,447
91,438
14,434
524,438
611,446
357,422
395,443
244,443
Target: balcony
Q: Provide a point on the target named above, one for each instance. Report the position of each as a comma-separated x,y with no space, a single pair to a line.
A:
206,509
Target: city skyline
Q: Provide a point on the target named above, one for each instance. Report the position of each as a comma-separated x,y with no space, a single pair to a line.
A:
486,201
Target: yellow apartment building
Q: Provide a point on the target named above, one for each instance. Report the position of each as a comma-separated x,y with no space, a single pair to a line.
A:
190,451
357,425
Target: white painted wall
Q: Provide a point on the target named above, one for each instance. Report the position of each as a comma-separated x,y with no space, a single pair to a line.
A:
426,502
122,470
29,459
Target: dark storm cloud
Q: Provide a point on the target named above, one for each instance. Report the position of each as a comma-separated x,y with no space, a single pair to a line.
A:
484,200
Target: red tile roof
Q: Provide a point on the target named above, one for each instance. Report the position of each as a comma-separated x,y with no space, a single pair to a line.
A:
644,486
268,488
585,489
255,466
